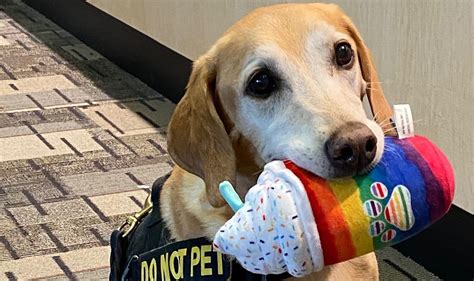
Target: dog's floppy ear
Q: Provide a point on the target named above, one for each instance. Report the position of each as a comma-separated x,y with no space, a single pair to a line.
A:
379,105
197,139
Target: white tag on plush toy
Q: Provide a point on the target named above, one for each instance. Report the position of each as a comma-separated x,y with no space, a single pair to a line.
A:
403,120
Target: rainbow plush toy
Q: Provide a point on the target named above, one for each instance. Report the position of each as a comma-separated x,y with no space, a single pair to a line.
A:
297,222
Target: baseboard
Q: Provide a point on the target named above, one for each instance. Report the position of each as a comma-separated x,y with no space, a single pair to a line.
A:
156,65
446,248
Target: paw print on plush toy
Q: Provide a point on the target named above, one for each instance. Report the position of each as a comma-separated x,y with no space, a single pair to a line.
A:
395,214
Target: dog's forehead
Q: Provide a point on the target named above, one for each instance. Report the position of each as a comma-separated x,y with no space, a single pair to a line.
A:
289,16
291,28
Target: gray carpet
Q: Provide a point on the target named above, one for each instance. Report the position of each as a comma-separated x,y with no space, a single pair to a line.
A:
79,138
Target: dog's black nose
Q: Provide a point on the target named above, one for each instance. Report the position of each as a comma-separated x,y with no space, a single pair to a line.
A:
351,148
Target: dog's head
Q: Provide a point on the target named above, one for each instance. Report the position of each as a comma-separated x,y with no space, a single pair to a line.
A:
285,82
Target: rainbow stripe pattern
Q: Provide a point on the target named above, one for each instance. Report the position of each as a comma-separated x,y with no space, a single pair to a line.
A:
411,187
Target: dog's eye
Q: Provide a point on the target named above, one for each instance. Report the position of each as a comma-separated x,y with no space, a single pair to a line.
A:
262,84
344,54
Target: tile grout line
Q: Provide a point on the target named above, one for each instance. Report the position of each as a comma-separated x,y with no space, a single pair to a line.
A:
75,150
59,245
94,208
67,271
9,248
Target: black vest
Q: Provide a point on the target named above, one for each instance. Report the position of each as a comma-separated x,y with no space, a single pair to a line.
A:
149,253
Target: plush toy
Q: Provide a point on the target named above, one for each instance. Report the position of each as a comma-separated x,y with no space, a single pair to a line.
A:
295,221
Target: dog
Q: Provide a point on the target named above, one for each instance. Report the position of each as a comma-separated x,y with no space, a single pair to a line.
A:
284,82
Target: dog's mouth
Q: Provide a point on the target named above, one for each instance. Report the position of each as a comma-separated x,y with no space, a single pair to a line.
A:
333,173
370,166
353,150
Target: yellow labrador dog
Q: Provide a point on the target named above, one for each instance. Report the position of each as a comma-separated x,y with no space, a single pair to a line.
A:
285,82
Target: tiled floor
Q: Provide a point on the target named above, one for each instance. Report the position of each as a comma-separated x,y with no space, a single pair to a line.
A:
79,137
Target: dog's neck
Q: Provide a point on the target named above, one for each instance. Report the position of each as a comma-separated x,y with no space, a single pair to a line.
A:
186,189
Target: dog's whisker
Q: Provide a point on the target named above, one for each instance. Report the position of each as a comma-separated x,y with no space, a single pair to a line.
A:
387,125
388,130
385,122
381,122
387,118
375,115
384,125
373,89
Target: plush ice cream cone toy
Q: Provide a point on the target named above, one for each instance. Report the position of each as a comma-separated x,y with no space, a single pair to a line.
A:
295,221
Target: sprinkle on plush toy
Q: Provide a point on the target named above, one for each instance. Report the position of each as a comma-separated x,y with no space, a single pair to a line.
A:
297,222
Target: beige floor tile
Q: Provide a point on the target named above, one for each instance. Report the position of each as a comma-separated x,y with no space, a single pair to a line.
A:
57,211
30,146
27,147
80,139
99,183
124,120
119,203
42,267
57,127
87,259
35,84
31,267
16,103
14,131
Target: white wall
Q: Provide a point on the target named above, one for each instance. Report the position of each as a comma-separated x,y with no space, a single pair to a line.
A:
423,50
